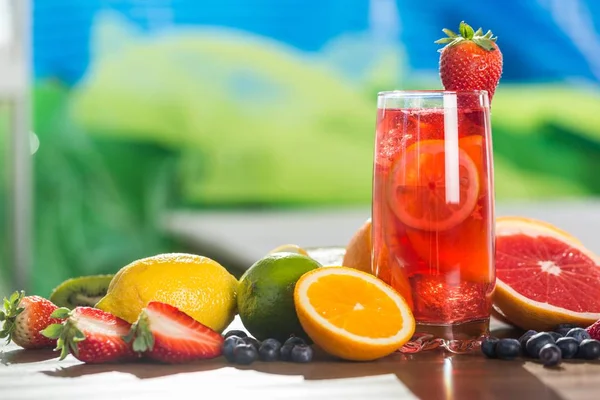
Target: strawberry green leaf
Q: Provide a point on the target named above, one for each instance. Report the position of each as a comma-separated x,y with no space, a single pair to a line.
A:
451,34
140,335
467,34
52,331
60,313
465,30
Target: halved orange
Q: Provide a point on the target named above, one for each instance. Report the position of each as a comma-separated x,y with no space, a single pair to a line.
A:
425,195
351,314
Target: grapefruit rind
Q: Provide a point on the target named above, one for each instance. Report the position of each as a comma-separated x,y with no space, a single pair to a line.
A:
336,340
527,313
512,225
399,169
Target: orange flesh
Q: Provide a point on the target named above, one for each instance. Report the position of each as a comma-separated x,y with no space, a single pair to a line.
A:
368,310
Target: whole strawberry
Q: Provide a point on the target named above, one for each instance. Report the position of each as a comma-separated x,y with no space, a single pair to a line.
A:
470,60
91,335
165,333
594,330
24,317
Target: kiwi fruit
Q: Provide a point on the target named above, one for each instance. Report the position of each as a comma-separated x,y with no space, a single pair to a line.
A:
84,291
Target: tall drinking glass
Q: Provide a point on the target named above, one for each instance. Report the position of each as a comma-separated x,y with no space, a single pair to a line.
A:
433,208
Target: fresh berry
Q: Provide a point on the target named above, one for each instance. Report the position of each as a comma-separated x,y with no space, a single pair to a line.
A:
578,333
245,354
568,347
470,60
536,342
229,344
302,353
594,330
235,332
24,317
555,335
268,352
564,328
550,355
91,335
271,343
508,349
589,349
165,333
523,340
294,340
285,353
488,346
252,341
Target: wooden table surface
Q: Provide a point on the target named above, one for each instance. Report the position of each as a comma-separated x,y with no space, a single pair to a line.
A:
37,375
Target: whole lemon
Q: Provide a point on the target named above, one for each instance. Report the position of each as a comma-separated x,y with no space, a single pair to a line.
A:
266,295
198,286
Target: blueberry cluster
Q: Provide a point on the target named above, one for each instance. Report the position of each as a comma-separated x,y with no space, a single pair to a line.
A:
239,348
564,342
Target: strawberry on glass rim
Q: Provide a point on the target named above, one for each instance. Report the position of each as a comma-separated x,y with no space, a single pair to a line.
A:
471,60
418,187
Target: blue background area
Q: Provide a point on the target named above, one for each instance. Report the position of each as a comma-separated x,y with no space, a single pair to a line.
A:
535,47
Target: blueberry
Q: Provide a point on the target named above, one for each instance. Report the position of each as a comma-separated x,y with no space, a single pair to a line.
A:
488,346
589,349
268,353
285,353
295,340
252,341
550,355
244,354
302,353
523,340
508,349
269,350
536,342
563,329
579,334
271,343
229,345
556,335
568,346
237,333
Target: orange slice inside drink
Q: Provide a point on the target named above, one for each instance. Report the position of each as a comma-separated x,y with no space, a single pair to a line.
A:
432,189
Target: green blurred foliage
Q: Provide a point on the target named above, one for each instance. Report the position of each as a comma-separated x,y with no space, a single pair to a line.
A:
204,119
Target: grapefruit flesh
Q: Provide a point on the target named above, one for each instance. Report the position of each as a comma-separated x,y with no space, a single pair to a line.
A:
545,276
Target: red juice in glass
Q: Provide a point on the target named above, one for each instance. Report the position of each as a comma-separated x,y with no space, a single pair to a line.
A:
433,208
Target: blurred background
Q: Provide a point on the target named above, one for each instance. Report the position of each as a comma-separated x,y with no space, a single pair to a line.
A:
229,127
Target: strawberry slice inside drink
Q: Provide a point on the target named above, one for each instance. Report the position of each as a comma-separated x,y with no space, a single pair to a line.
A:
425,195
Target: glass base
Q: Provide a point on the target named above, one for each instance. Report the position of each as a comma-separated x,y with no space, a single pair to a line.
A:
455,338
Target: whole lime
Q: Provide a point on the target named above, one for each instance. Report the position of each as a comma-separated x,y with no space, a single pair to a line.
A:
265,296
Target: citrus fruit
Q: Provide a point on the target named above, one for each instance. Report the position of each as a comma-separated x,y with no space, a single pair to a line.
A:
422,194
351,314
358,250
198,286
266,295
289,248
545,276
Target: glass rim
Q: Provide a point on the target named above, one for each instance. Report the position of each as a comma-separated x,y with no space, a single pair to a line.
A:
429,93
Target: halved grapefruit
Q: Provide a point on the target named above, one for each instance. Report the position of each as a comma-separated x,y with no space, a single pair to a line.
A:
545,276
420,187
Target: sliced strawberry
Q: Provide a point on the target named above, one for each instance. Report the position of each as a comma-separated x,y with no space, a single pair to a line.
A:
91,335
24,317
594,330
164,333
